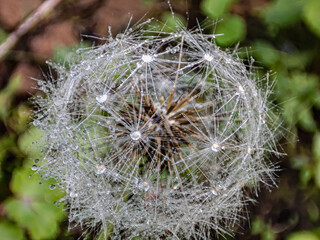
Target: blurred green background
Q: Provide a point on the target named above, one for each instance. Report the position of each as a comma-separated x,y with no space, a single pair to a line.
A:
283,36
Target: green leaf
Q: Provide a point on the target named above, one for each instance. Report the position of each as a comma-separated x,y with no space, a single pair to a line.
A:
233,29
147,3
41,219
30,141
302,235
10,231
33,208
311,15
282,13
3,35
6,95
62,55
265,53
24,186
172,22
257,226
215,8
305,175
297,60
317,174
6,143
306,120
268,234
297,91
316,146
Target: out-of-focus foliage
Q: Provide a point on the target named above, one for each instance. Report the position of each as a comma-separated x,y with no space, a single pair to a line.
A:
232,27
311,15
216,9
3,35
27,208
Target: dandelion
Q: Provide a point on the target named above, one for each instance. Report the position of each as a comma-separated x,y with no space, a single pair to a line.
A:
157,138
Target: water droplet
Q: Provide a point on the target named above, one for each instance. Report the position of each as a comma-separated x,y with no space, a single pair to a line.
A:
147,58
241,90
144,186
100,168
136,135
73,194
249,150
36,122
34,168
102,98
58,102
215,147
208,57
52,187
36,161
173,51
214,192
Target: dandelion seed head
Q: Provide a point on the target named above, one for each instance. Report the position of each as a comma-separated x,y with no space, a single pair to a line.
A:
165,156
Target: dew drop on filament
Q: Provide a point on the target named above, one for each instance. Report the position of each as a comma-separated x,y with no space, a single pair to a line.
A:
208,57
136,135
102,98
147,58
215,147
100,168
